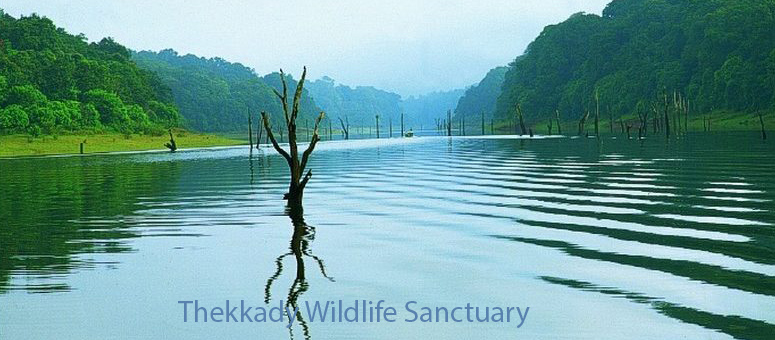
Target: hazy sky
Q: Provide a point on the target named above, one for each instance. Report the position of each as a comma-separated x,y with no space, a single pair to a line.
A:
406,46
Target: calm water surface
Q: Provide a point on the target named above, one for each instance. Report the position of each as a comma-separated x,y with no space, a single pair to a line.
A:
612,240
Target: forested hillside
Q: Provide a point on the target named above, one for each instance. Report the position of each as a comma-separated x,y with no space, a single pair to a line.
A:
360,105
720,54
52,81
482,97
214,94
423,111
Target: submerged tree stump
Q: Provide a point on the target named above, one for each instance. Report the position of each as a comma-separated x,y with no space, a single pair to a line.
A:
557,116
583,122
761,122
521,120
171,145
345,127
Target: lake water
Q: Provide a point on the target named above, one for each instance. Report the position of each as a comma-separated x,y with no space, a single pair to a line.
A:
612,240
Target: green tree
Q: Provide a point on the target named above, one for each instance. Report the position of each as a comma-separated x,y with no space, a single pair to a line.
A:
52,74
13,118
3,88
26,96
110,107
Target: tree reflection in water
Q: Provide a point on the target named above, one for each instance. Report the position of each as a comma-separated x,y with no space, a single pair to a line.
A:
303,235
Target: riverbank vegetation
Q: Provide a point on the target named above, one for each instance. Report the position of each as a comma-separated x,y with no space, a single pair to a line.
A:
26,145
53,82
717,56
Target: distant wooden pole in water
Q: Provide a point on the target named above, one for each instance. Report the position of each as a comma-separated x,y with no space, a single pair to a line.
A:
330,130
492,126
550,126
259,133
611,119
463,124
402,124
597,114
761,122
390,122
583,122
686,116
82,143
377,116
345,127
710,119
449,123
557,116
250,129
482,123
306,127
667,115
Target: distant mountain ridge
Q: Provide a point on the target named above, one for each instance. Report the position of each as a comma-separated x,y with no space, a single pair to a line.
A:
216,95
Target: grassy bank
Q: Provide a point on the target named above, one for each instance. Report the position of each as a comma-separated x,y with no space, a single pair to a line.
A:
24,145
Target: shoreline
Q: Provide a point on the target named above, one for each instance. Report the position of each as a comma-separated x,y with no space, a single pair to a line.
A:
25,146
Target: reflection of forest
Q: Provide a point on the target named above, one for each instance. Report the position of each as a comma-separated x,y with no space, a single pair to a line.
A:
45,203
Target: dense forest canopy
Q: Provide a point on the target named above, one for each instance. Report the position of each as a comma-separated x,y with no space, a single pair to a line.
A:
482,97
720,54
359,105
52,81
214,94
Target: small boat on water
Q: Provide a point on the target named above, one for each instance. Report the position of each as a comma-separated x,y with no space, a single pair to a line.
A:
409,133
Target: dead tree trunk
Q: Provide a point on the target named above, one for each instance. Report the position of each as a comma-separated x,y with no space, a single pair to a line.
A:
583,122
482,123
345,127
686,117
610,119
259,131
667,117
171,145
402,124
521,120
250,129
761,122
549,126
597,114
557,116
449,123
297,167
377,126
463,124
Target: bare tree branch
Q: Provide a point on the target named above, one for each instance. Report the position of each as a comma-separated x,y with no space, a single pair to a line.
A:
269,133
312,143
284,97
297,96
